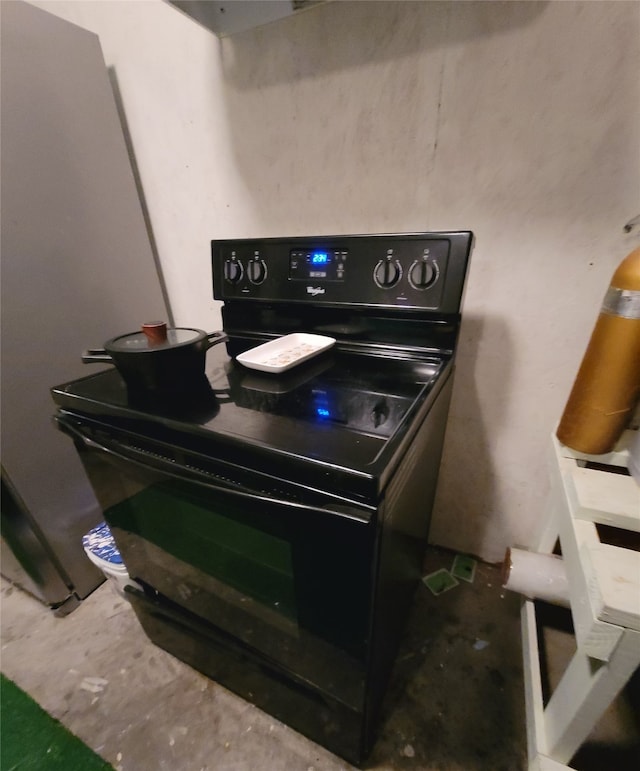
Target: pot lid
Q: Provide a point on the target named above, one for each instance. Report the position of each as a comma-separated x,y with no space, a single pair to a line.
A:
141,341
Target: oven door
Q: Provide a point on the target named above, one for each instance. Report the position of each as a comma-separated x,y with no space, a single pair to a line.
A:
290,580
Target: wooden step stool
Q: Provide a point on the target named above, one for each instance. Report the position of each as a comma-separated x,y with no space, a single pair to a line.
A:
604,588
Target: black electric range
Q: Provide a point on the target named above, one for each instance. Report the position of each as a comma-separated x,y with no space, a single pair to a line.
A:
275,523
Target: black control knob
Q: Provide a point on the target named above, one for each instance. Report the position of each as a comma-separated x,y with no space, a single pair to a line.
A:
232,271
387,273
257,271
422,274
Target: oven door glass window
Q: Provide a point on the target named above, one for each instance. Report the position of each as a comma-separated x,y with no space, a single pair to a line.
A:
214,541
290,582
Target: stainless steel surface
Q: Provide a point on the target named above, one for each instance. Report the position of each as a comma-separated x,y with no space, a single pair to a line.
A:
27,561
228,18
77,264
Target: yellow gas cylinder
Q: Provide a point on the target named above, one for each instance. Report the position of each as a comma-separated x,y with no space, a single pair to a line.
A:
607,385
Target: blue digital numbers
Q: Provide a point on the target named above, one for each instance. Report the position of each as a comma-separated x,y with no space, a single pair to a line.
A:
319,258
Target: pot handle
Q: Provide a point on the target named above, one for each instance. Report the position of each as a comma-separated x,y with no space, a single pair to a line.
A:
96,355
216,337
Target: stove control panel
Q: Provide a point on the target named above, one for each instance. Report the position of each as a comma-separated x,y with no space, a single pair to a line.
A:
423,271
318,264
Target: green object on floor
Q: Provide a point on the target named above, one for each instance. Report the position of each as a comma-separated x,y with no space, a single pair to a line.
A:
31,740
440,581
464,567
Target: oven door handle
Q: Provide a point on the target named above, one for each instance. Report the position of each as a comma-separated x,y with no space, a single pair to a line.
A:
165,466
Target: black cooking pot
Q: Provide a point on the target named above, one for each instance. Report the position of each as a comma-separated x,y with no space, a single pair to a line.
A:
158,359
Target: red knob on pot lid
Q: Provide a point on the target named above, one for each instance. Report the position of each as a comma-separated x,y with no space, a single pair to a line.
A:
156,332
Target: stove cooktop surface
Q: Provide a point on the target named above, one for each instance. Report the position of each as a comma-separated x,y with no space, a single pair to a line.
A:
339,408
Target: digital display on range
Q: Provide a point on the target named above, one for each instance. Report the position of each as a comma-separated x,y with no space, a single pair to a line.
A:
318,264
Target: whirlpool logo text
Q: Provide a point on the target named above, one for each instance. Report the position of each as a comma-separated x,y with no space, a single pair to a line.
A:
315,290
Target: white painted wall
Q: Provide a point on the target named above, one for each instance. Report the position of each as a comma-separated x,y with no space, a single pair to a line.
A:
520,121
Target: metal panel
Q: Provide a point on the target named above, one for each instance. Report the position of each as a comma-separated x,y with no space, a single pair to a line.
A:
77,265
227,18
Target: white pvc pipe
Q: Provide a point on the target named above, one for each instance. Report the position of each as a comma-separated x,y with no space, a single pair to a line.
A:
536,576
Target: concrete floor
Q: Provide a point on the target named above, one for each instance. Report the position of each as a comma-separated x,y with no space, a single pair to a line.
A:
455,702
